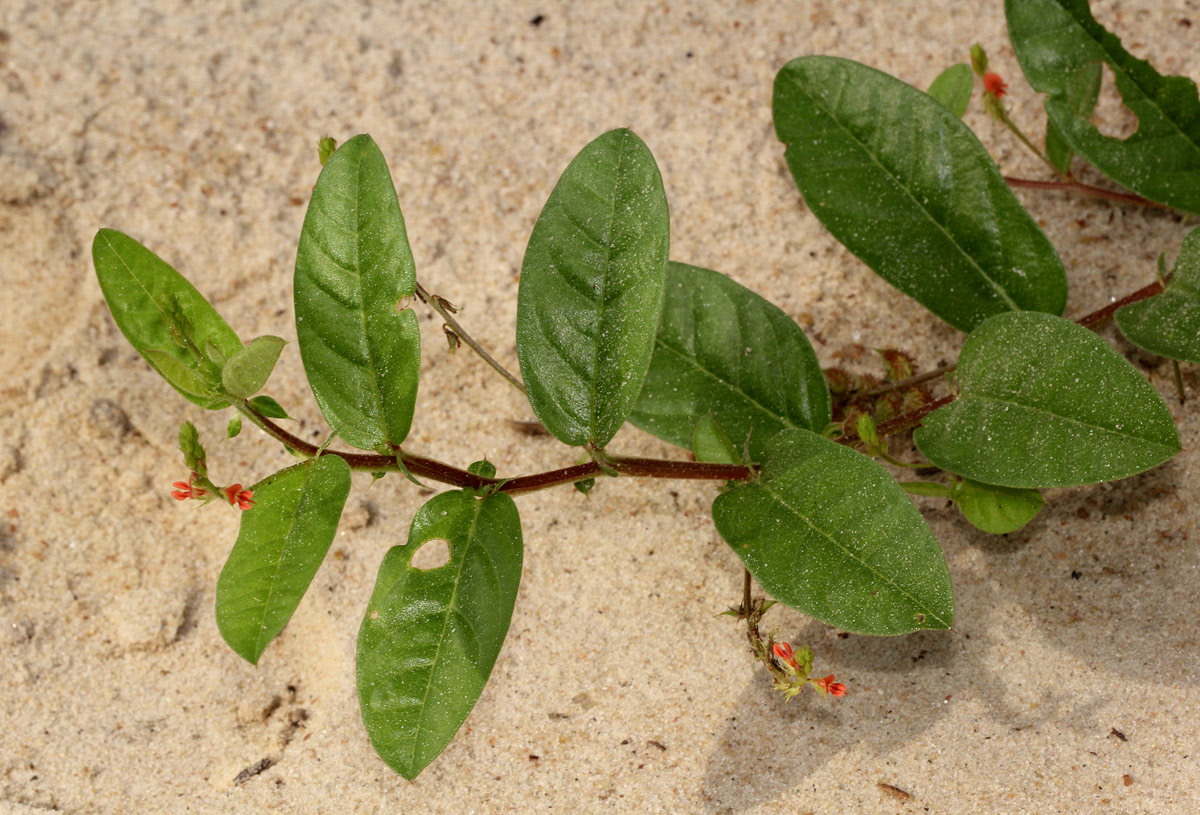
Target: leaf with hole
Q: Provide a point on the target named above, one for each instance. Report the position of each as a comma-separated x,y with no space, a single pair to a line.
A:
281,543
998,510
953,88
1169,323
908,188
1046,403
247,370
164,318
723,351
1056,39
430,637
353,268
827,531
591,290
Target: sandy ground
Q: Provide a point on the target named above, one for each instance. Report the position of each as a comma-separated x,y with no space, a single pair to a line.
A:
1069,685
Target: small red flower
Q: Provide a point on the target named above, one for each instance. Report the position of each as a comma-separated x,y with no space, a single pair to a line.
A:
827,685
784,652
995,85
238,497
185,490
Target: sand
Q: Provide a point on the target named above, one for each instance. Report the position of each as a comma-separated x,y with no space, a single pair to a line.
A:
1070,682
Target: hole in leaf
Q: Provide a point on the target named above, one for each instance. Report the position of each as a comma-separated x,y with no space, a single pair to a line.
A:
1111,117
433,554
404,303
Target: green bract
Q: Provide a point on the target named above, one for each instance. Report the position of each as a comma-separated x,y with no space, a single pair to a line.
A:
907,187
430,637
283,539
953,88
1057,39
247,370
998,510
163,316
725,352
1046,403
827,531
592,290
1169,323
353,267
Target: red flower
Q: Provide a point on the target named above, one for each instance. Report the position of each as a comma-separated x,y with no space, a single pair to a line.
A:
995,85
827,685
185,490
238,497
784,652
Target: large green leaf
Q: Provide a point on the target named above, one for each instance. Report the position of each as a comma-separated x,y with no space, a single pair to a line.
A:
431,636
1046,403
909,189
592,289
163,316
280,546
353,266
1056,39
1169,323
725,352
827,531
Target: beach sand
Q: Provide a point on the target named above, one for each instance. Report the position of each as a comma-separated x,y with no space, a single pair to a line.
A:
1069,683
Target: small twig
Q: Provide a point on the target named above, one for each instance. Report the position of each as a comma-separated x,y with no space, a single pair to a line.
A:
1084,189
435,302
912,380
1179,381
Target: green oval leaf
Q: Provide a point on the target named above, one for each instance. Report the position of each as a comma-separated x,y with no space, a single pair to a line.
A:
723,351
1056,39
827,531
953,88
997,510
1046,403
592,290
1169,323
430,637
280,546
164,318
353,266
247,370
908,188
269,407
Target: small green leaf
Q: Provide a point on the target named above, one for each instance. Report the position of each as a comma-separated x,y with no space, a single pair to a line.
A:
585,486
979,60
482,468
164,318
234,427
269,407
591,290
282,541
953,88
430,637
1169,323
723,351
1046,403
827,531
353,267
194,456
325,147
248,370
908,188
711,443
997,510
1085,90
1056,39
928,489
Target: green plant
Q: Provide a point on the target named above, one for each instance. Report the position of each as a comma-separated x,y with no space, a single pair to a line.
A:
609,330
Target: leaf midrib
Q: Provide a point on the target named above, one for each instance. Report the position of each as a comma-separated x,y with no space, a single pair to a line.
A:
953,241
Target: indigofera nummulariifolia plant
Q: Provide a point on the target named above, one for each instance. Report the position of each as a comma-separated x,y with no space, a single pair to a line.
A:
610,330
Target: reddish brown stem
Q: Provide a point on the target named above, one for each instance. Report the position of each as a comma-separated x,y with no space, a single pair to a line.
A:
1101,316
1084,189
